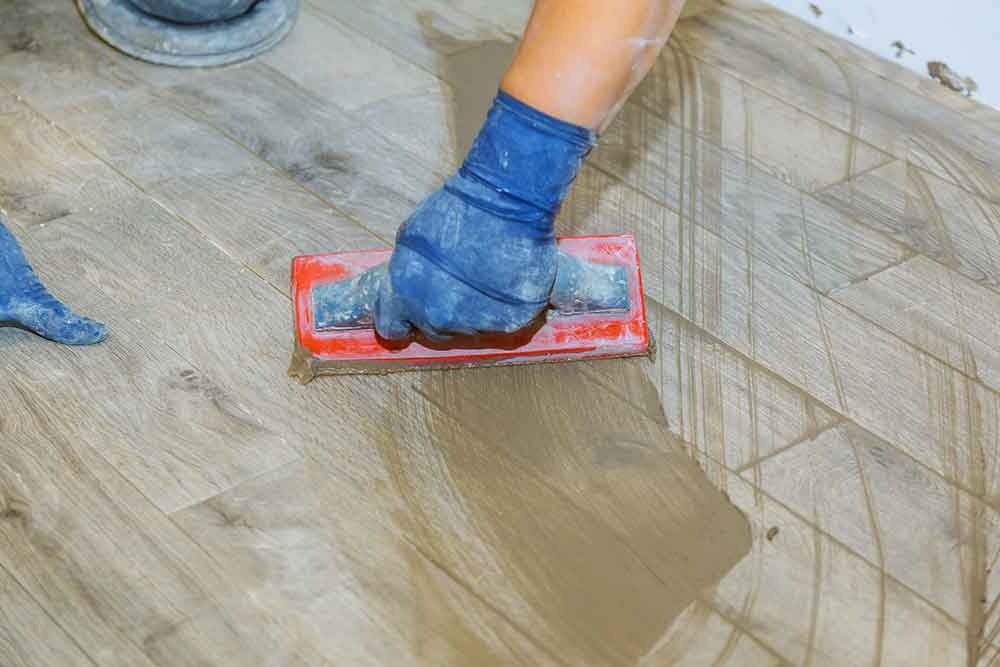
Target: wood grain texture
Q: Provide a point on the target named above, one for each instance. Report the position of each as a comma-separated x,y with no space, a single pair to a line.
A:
755,410
854,56
519,507
511,17
905,124
308,196
28,636
149,142
519,519
775,136
47,176
205,632
756,306
125,582
819,262
794,591
929,215
179,435
384,603
420,31
88,547
734,411
362,72
866,489
262,219
720,190
930,306
53,59
337,156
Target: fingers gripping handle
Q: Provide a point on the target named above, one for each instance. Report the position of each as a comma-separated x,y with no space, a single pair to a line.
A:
580,287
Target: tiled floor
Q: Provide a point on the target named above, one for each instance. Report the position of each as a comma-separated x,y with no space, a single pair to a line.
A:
820,239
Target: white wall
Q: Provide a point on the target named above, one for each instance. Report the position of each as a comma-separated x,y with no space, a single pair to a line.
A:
965,34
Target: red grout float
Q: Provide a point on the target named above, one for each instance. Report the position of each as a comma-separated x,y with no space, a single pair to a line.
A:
581,323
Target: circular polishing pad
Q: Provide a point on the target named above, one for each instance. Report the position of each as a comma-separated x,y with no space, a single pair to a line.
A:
124,26
194,11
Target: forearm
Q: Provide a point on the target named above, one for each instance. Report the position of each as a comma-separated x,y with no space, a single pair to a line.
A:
580,59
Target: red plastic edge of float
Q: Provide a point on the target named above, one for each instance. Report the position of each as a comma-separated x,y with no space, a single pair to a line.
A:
591,335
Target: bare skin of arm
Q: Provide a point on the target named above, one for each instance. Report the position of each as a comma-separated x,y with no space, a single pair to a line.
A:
581,59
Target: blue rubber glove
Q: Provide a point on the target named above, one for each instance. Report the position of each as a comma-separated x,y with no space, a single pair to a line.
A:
479,255
25,302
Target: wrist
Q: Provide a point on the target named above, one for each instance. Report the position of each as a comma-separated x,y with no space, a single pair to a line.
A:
523,161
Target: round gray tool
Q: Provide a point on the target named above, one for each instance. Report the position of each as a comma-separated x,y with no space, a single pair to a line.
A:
194,11
184,33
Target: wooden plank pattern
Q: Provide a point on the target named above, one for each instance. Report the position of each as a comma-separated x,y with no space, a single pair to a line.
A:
905,124
851,55
363,74
335,155
928,214
793,589
818,231
785,141
53,60
726,194
446,491
27,635
847,362
37,189
388,603
179,435
863,487
949,316
420,31
89,547
804,459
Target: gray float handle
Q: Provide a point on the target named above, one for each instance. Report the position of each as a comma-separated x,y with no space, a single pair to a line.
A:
580,287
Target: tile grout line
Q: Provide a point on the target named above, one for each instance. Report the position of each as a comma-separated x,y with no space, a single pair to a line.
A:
156,93
738,472
812,288
840,421
751,16
741,626
836,412
299,456
814,195
808,437
153,507
140,190
281,172
223,572
738,76
391,49
45,610
589,512
865,277
238,261
842,545
143,193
